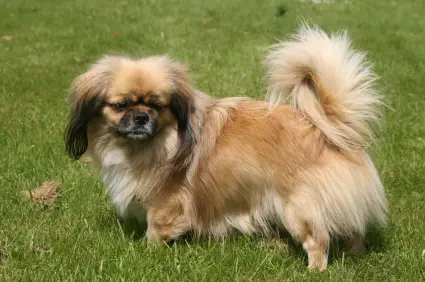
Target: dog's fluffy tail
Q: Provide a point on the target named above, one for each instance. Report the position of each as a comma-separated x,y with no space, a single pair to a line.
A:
329,83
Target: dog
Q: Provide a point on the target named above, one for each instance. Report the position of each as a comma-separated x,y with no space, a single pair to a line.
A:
184,161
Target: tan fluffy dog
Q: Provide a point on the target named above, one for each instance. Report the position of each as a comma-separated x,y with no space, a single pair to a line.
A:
189,162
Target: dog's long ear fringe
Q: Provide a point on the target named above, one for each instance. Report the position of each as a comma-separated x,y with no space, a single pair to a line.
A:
86,96
181,108
76,139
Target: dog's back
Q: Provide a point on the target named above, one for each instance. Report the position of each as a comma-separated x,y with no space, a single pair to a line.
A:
304,165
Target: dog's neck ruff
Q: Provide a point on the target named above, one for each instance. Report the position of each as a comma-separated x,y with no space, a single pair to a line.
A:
130,173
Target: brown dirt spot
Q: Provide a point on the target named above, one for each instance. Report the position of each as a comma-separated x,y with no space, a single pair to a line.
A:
44,250
86,160
45,195
3,253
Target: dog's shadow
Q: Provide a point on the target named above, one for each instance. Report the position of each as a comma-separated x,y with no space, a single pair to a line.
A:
133,228
374,240
137,230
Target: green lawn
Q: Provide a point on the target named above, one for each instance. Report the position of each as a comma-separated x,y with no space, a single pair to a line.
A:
223,42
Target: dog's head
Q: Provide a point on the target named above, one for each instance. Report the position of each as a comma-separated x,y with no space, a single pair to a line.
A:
135,99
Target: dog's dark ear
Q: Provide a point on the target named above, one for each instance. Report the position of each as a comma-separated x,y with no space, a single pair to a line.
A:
86,96
76,138
182,106
182,109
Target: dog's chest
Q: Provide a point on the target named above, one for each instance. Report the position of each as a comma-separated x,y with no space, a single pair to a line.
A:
123,181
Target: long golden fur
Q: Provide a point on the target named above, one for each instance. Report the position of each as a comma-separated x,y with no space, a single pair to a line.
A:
189,162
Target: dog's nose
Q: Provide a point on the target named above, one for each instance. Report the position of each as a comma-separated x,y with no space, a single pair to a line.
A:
140,118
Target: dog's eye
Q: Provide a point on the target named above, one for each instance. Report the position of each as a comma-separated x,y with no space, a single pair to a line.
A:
121,106
156,107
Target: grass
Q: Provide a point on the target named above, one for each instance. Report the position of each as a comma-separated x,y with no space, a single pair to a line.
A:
223,42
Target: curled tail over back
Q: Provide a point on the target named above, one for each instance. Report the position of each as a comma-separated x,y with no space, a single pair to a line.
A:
329,83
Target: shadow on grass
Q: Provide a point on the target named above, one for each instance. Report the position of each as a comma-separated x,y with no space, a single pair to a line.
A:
375,241
133,229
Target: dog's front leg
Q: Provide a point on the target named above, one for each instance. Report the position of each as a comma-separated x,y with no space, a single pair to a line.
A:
166,221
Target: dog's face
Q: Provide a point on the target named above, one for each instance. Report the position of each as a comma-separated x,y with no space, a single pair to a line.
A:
135,99
137,102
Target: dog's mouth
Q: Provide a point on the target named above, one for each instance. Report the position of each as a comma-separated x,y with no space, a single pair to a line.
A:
138,133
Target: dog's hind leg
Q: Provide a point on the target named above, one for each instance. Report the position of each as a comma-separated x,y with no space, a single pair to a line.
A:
314,237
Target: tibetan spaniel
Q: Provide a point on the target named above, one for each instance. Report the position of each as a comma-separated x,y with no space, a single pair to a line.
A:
184,161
